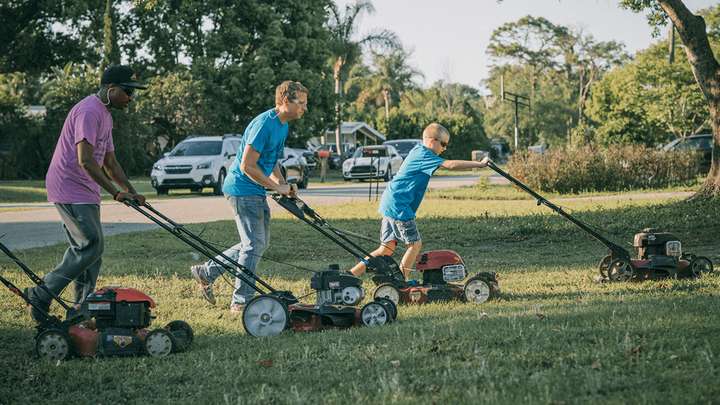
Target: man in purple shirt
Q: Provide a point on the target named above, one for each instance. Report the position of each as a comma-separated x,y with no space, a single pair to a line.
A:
83,161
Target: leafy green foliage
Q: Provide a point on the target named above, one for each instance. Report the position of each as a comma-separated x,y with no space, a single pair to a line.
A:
574,170
648,101
555,68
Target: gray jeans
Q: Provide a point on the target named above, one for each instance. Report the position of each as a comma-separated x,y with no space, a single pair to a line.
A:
82,260
252,217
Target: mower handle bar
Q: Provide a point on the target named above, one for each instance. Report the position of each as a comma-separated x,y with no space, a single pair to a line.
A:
302,211
35,279
616,250
199,244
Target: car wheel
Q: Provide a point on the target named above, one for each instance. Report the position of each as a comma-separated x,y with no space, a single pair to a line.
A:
161,191
304,183
217,189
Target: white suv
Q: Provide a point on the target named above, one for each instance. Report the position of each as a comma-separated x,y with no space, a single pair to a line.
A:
195,163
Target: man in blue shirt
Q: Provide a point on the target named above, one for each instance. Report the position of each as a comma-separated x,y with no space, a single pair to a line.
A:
403,196
254,170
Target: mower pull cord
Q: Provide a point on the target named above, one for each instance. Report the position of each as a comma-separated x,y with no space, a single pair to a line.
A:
617,252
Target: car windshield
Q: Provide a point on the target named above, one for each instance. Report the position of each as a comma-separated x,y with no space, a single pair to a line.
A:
404,147
197,148
370,152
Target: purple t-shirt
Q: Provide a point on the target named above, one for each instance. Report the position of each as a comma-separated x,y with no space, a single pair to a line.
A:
66,181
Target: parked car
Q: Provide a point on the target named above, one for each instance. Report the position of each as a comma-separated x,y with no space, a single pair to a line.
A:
403,146
195,163
294,167
373,162
335,161
310,158
702,143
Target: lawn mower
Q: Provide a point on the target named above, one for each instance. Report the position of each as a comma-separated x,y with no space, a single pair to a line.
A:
273,311
659,255
112,321
442,270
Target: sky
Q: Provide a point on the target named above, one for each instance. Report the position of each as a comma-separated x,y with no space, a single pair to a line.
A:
448,38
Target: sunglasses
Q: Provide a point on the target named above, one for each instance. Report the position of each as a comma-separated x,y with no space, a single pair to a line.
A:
443,143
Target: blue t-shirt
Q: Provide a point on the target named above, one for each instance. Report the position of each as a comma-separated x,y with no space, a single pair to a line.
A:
267,135
403,195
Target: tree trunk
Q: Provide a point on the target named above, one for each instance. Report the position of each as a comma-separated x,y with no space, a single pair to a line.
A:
692,31
337,68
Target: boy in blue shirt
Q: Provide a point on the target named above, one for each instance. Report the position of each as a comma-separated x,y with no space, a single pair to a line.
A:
403,196
255,169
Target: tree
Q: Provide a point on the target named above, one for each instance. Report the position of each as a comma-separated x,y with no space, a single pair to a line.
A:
346,50
450,104
26,30
556,67
388,79
692,30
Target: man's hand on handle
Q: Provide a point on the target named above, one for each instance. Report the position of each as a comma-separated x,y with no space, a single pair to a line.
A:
289,190
121,196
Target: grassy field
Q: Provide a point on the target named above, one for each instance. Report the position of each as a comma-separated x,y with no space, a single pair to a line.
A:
555,336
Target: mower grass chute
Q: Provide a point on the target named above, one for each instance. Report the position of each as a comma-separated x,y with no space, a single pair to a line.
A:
658,255
443,271
273,311
112,321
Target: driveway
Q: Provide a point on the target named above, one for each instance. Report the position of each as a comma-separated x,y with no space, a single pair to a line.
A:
38,224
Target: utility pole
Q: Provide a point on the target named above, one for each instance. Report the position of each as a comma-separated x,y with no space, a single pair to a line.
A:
518,100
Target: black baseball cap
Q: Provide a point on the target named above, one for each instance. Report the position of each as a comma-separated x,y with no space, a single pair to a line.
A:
121,75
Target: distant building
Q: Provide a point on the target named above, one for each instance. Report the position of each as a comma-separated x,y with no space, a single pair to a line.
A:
351,134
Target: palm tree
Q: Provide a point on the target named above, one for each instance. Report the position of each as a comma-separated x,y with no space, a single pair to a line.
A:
390,78
346,51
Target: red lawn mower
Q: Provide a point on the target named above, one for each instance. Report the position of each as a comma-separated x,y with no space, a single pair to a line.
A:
659,255
274,311
112,321
444,275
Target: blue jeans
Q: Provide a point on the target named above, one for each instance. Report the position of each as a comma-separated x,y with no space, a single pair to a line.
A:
252,217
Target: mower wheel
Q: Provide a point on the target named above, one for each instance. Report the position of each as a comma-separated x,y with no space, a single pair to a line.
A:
390,306
159,343
620,270
387,291
375,314
701,265
265,316
52,344
183,334
477,290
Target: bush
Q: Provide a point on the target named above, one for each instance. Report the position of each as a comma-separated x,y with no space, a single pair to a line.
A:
574,170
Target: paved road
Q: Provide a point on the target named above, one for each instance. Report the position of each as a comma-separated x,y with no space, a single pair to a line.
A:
38,224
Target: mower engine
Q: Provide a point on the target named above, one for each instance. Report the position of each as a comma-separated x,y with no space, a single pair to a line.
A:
443,272
335,288
117,322
658,255
118,314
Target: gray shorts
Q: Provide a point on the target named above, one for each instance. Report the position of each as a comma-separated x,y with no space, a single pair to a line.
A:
394,230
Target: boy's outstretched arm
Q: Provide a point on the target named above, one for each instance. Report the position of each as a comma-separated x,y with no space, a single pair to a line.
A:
464,164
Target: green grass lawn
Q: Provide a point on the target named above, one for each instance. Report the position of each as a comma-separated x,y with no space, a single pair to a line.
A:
554,336
30,191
